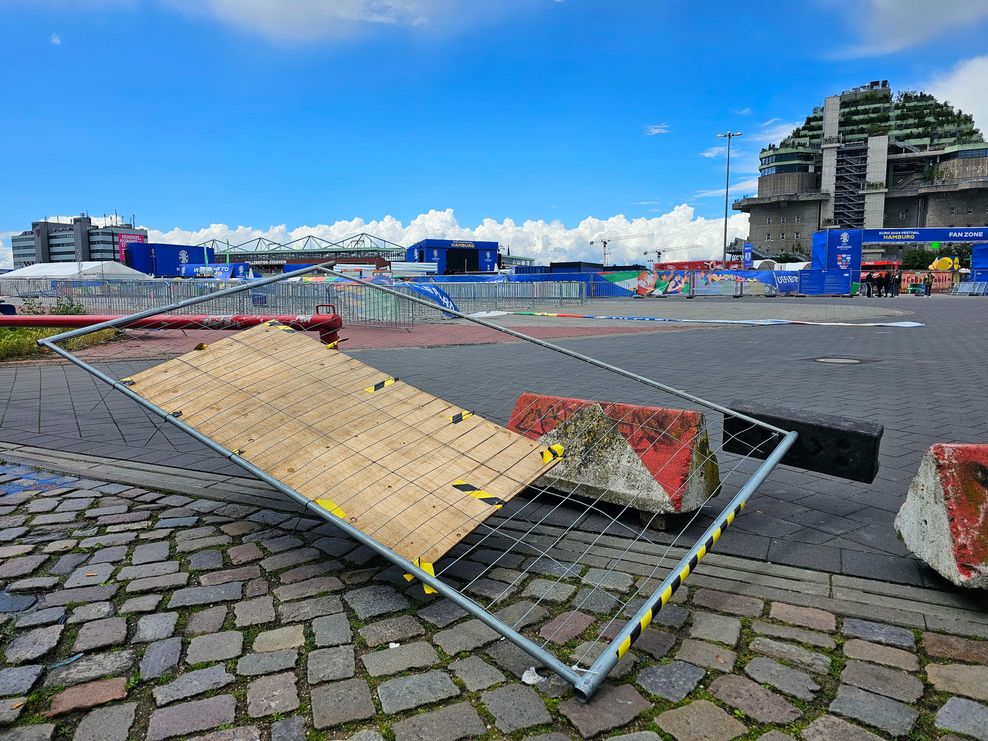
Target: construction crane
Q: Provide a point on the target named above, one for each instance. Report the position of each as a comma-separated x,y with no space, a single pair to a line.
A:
604,242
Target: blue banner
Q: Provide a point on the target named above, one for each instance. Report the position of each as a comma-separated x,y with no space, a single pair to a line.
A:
435,294
910,236
216,271
746,255
786,281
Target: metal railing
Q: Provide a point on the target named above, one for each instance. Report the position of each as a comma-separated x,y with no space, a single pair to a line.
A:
970,288
356,304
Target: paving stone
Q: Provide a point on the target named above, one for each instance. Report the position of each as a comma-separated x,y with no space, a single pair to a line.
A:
884,681
369,602
91,694
215,647
650,736
23,566
89,576
596,601
245,553
224,576
736,604
289,559
706,654
865,651
655,643
100,633
106,541
270,661
879,633
448,724
150,553
289,636
33,644
255,611
797,635
548,591
289,729
412,691
720,628
963,716
673,681
107,724
442,613
466,636
83,594
476,673
611,707
783,678
256,588
401,658
332,630
60,546
37,732
94,666
565,627
308,609
391,630
275,693
508,656
832,728
309,571
68,563
366,735
309,588
811,660
33,584
341,702
515,707
956,648
112,555
143,603
12,551
191,596
959,679
700,720
209,620
806,617
189,717
330,664
754,700
92,611
612,581
241,733
881,712
160,658
18,680
158,568
206,561
192,683
155,627
158,583
41,617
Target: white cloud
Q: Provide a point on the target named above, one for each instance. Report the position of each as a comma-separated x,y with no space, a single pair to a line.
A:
656,129
966,87
774,130
55,39
307,21
888,26
6,251
746,111
714,152
540,239
739,188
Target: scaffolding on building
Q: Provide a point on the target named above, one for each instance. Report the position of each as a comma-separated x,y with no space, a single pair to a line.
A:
852,164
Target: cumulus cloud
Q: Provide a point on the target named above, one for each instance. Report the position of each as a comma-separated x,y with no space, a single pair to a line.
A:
55,39
305,21
701,237
6,251
966,87
889,26
656,129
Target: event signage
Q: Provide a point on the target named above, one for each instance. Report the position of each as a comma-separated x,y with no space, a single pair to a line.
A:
123,240
747,255
931,234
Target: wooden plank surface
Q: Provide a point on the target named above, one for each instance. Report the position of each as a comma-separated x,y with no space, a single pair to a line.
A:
390,459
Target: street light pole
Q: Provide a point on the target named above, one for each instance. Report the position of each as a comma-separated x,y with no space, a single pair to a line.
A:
727,183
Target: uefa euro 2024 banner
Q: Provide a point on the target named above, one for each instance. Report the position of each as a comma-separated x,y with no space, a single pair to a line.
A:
707,282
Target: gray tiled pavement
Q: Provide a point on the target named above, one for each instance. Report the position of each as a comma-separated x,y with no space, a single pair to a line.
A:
922,384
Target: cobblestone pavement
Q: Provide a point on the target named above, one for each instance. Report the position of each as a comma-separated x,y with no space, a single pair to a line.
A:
128,613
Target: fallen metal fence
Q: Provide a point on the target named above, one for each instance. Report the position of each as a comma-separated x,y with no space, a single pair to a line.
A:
970,288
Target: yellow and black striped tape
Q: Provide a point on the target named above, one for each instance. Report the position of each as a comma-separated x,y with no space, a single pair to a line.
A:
427,568
460,416
667,593
380,385
483,496
552,453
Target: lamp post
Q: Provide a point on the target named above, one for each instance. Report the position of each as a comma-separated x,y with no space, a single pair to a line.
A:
727,183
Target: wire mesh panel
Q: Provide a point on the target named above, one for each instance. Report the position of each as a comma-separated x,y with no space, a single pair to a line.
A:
528,482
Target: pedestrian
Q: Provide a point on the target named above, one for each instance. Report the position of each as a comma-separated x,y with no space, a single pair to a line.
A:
869,282
927,284
889,280
896,283
879,284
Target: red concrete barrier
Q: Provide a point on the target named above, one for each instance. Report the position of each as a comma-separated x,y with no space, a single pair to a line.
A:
944,519
650,458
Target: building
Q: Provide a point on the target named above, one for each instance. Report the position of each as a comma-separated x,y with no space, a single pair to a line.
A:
79,240
869,159
456,256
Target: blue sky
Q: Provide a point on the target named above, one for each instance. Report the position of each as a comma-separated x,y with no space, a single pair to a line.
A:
280,116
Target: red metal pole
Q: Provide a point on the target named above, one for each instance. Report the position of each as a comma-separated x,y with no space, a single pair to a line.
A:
326,325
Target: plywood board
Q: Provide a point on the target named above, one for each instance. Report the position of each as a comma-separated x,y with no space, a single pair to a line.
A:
372,449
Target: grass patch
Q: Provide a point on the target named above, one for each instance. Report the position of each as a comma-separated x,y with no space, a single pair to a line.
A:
22,342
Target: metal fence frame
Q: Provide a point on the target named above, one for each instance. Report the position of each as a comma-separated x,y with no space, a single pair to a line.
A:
584,684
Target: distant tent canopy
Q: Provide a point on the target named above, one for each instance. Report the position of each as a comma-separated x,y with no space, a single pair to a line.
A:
86,270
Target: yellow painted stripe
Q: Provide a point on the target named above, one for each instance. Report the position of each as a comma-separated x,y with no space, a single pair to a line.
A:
684,573
646,620
552,452
380,385
332,507
701,553
667,595
428,568
623,648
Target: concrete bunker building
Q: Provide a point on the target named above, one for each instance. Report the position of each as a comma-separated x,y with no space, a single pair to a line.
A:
869,159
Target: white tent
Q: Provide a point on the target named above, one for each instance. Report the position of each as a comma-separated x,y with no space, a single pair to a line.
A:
87,270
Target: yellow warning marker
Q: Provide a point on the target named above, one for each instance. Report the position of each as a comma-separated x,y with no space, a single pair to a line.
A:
457,418
427,568
201,346
552,452
332,507
483,496
380,385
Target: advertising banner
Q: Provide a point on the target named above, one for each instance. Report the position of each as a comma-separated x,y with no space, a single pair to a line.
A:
747,255
123,240
931,234
216,271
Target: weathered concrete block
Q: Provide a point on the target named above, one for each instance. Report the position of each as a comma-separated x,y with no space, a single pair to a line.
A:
943,518
650,458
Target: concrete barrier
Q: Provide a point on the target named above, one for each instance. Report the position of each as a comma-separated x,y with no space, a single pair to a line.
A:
652,459
944,519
